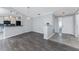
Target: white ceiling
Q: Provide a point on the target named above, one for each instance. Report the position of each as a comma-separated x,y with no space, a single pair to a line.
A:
22,10
65,11
40,11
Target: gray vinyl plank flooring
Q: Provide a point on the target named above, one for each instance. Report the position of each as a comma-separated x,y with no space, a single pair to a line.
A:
32,42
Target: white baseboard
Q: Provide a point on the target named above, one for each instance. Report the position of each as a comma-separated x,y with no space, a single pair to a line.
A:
49,36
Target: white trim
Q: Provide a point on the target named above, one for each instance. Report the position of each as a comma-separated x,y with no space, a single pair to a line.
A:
48,37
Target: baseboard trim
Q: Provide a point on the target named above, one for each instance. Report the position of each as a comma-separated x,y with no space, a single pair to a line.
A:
49,36
15,35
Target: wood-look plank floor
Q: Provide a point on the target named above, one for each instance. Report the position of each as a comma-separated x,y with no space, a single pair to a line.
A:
32,42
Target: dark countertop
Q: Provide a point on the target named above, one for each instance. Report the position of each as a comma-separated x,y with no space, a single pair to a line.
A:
11,25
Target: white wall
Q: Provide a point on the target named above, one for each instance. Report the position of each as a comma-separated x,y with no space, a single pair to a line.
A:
37,25
27,25
77,25
68,25
40,22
